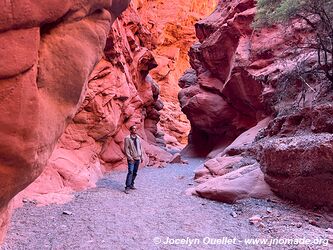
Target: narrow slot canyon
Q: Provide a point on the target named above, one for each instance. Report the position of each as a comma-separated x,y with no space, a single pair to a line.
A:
231,104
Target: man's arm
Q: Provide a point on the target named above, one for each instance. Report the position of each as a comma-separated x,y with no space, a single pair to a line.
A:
141,150
127,151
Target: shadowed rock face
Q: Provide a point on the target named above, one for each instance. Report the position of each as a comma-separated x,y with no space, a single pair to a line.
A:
220,95
240,76
47,53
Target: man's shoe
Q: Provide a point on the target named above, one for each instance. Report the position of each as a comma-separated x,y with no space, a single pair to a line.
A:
126,191
132,187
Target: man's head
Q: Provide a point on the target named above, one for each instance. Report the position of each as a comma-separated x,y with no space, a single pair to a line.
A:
133,129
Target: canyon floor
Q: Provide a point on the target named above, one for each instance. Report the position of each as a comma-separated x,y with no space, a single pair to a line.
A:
159,214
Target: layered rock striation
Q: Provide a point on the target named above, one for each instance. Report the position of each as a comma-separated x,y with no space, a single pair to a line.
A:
171,24
76,88
254,112
220,94
120,93
47,53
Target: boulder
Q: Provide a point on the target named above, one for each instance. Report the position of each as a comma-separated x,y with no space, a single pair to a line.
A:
246,182
216,167
176,158
300,168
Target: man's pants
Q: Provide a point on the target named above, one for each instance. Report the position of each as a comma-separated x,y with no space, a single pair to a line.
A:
132,170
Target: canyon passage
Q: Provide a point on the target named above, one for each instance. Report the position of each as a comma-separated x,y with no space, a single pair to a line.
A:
233,102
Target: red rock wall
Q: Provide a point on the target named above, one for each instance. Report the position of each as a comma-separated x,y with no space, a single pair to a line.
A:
240,76
120,93
171,24
104,102
48,51
220,95
115,95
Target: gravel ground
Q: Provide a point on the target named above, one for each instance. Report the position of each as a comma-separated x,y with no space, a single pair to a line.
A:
158,215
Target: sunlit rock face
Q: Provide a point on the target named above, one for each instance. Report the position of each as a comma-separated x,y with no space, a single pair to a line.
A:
171,24
84,103
47,53
120,93
248,112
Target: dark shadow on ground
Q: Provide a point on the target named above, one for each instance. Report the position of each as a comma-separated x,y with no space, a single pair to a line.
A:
109,183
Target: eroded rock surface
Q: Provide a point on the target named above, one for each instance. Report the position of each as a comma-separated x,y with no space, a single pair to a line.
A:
247,104
220,95
296,157
120,93
47,54
171,24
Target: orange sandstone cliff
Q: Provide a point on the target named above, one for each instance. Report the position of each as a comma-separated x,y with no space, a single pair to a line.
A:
75,100
171,24
55,72
120,93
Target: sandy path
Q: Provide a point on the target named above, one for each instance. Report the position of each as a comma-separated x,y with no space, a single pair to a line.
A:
106,218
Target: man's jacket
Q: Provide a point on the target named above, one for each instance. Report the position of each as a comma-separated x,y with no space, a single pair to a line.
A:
133,148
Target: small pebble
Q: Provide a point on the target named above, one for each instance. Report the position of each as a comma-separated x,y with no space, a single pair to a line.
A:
67,212
233,214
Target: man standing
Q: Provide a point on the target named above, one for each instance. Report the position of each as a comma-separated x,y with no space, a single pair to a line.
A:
133,152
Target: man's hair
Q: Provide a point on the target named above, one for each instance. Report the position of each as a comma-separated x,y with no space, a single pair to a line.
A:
131,127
